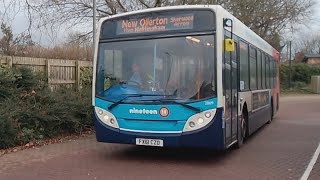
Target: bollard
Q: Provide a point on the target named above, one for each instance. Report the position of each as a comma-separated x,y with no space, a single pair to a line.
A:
315,84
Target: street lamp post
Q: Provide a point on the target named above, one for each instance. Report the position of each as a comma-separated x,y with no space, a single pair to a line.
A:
290,64
94,24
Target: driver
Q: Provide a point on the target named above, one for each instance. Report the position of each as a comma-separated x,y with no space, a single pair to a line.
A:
136,78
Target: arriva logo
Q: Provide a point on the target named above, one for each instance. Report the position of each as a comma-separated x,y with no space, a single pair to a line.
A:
142,111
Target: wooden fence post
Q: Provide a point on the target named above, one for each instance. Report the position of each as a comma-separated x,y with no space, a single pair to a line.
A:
6,60
10,61
48,73
78,75
1,61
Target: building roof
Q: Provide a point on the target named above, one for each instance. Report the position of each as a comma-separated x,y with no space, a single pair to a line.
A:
308,56
312,56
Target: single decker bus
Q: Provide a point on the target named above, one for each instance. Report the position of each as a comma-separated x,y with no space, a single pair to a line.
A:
182,76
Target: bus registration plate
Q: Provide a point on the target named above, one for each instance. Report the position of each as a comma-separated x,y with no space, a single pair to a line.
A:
149,142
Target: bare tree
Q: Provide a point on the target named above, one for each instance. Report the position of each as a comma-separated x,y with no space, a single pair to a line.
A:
6,42
10,45
9,9
310,44
267,18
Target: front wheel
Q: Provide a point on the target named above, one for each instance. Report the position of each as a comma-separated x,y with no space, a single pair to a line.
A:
242,130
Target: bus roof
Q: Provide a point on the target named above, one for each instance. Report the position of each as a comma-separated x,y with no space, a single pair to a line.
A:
240,29
162,9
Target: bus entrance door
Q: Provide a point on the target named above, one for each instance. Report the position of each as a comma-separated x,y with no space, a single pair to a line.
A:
234,92
231,97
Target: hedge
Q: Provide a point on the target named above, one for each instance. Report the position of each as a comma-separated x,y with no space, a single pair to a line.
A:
301,74
30,111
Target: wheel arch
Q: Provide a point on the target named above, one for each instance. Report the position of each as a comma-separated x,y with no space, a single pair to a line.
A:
245,111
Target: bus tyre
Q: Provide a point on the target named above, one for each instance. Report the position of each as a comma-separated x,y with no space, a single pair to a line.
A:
271,113
242,130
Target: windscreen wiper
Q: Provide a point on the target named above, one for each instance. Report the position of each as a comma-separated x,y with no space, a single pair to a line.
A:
197,110
121,100
132,95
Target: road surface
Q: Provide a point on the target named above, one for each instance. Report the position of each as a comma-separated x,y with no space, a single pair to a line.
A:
284,149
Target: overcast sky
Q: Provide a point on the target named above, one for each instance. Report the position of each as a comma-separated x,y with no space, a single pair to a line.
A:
20,23
315,20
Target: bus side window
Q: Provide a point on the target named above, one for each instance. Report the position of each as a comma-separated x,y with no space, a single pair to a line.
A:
244,66
263,71
253,68
259,75
268,72
272,73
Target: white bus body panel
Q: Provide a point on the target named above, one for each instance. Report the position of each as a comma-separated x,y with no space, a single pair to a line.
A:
239,29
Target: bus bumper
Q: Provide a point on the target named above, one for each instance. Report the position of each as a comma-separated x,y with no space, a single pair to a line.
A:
211,136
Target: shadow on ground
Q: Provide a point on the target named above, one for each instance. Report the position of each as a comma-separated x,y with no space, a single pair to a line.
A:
182,155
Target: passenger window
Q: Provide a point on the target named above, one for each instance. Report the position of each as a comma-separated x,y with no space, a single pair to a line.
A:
263,71
244,66
267,72
259,69
272,73
253,68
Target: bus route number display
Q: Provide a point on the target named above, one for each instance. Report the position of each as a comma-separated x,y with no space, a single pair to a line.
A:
155,24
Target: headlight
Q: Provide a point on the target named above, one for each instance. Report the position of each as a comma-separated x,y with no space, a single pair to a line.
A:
199,120
192,124
207,114
106,117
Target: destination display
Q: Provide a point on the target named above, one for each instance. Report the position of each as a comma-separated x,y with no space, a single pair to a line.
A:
155,24
158,23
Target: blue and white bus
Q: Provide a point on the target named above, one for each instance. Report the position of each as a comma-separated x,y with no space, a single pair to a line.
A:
182,76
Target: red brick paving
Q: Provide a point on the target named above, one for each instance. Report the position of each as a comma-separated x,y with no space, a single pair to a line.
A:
281,150
315,173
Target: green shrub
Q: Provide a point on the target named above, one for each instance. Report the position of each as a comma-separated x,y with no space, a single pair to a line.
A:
300,75
30,111
86,76
8,132
299,84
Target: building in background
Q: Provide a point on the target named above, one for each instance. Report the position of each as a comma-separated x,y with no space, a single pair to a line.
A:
311,59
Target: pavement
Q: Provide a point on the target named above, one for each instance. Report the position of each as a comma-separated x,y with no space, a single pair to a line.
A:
280,150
